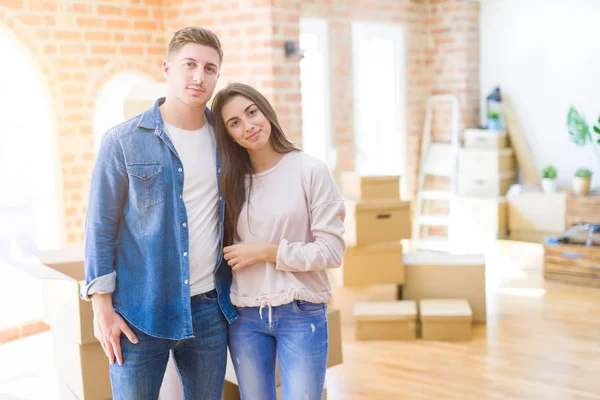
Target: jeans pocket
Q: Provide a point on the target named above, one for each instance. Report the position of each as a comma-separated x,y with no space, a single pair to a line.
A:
146,181
211,296
308,308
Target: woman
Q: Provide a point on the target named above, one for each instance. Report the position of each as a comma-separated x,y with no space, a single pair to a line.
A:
284,226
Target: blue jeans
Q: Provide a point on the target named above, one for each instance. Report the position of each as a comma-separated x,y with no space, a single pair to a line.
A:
295,333
200,361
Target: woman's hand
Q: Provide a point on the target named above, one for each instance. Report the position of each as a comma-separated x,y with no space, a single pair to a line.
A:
239,256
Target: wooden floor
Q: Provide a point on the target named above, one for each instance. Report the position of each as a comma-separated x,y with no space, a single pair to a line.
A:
541,341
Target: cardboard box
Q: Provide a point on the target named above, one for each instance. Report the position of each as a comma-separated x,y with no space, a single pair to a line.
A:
360,187
486,163
473,186
386,320
531,210
370,265
531,237
61,279
484,139
378,221
445,319
83,369
435,275
344,299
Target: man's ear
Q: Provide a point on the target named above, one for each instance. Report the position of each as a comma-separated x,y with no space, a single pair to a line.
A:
165,68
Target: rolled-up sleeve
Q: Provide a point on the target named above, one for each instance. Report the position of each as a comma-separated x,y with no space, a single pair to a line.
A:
108,190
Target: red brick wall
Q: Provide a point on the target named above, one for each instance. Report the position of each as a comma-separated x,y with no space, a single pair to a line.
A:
79,44
453,58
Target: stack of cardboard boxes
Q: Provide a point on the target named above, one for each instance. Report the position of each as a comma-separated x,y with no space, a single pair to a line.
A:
376,221
486,170
81,365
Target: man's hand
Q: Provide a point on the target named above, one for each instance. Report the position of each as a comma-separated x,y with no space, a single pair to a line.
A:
239,256
108,326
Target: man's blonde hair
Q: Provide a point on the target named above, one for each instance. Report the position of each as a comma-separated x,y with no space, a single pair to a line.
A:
198,35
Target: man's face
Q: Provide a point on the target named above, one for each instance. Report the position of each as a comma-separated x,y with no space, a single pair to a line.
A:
192,74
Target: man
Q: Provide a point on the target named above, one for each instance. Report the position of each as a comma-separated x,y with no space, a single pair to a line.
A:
153,253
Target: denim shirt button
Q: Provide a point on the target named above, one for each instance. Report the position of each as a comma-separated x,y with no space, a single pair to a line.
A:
219,171
180,170
186,281
184,224
185,254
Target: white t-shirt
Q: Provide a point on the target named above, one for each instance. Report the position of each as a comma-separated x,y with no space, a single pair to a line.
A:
197,151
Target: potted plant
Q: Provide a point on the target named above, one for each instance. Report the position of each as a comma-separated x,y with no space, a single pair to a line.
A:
580,132
549,175
581,181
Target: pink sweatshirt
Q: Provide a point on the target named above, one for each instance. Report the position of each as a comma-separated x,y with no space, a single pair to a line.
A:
297,204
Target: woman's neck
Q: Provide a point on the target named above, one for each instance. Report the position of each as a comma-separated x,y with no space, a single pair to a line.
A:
264,159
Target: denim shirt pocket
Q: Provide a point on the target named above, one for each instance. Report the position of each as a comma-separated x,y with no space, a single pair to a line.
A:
146,184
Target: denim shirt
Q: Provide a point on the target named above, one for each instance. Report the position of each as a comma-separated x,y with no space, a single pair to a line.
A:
135,244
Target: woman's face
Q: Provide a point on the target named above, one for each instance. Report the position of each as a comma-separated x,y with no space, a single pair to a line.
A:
245,123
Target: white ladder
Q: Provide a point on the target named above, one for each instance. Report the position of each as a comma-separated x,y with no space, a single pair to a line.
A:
437,159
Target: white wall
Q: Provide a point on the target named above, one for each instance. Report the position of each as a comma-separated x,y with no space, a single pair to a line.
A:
545,54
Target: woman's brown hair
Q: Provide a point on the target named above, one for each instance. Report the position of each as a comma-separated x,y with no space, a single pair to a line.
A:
235,161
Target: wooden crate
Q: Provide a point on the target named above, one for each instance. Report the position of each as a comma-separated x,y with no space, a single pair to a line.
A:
572,263
583,209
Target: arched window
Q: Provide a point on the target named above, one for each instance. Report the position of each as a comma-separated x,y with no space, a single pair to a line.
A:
29,188
108,108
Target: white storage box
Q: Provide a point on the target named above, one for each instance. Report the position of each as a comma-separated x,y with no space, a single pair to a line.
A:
484,138
486,163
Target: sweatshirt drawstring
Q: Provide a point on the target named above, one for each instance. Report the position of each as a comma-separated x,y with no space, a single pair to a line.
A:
264,304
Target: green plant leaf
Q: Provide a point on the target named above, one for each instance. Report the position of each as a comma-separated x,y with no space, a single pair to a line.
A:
578,127
597,129
583,173
549,172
